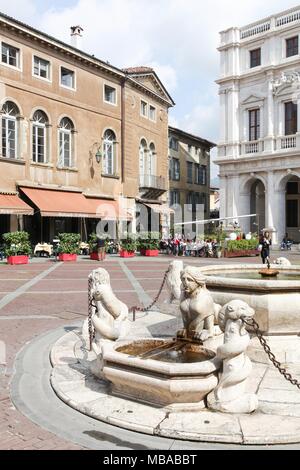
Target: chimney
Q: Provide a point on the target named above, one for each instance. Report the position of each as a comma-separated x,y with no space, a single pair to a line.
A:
76,36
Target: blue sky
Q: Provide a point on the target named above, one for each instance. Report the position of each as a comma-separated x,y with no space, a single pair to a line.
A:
177,37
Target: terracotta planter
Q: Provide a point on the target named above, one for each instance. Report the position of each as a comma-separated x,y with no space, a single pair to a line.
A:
127,254
67,257
18,259
97,256
150,252
240,253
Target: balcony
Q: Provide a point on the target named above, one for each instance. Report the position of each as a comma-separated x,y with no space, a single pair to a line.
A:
253,146
152,186
287,142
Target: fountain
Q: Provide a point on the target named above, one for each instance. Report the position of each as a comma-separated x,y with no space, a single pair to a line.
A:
199,385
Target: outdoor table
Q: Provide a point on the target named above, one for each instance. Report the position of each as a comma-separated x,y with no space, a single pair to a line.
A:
43,248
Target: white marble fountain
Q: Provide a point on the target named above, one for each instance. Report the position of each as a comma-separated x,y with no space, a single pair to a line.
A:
200,385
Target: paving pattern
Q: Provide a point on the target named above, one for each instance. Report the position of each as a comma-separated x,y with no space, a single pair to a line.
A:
42,296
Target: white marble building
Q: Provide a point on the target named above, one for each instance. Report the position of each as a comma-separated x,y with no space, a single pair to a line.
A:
259,148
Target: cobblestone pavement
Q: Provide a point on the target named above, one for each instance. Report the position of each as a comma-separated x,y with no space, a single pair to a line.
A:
44,295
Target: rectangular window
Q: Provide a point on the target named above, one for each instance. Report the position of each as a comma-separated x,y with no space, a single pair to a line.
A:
65,149
67,78
200,174
38,144
175,169
189,171
9,137
41,68
152,113
292,46
255,58
10,55
174,197
254,124
110,94
144,108
173,144
292,213
291,112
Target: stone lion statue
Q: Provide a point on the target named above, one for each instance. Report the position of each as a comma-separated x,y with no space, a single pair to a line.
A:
229,396
109,317
197,307
282,261
173,280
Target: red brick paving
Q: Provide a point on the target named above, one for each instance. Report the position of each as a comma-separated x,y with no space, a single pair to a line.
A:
16,431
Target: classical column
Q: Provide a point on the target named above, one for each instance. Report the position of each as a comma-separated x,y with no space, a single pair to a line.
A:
272,215
223,196
269,140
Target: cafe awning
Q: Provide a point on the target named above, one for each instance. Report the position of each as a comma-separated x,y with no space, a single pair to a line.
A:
12,204
108,209
159,208
53,203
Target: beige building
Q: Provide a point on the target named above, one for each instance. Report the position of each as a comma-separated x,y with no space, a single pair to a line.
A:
214,202
189,172
78,136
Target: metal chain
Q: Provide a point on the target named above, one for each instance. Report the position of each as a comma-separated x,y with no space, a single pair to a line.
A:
146,309
90,313
251,322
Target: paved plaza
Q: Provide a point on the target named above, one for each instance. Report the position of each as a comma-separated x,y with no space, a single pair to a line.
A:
41,301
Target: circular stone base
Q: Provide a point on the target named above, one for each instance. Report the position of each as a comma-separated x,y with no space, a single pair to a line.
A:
276,421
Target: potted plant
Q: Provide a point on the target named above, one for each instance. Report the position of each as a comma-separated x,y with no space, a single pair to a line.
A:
128,247
17,247
68,248
237,248
95,240
149,246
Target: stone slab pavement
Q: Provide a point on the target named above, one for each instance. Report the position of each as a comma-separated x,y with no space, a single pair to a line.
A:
43,296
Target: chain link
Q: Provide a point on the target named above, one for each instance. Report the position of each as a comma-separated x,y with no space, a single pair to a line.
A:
251,322
146,309
90,313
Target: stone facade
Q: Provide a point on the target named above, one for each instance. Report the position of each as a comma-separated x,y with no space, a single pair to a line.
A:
189,171
258,152
96,97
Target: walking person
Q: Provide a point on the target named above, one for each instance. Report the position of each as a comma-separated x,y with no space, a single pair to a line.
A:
265,242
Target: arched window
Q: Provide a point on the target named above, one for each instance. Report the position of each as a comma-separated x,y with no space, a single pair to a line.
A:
109,158
39,137
66,127
142,160
9,130
151,160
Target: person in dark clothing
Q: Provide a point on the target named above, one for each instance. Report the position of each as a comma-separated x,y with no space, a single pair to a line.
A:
101,248
265,242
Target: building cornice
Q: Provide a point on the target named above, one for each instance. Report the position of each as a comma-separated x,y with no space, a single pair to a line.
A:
47,41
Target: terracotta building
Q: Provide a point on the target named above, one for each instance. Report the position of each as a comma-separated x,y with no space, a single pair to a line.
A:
189,173
81,139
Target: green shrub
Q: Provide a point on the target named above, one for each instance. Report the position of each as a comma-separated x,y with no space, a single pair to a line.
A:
148,241
240,245
16,243
69,243
129,244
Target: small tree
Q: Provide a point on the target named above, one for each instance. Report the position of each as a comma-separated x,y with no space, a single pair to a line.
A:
16,243
69,243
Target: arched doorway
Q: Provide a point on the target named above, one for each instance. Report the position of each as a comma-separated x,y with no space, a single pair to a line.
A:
292,206
257,206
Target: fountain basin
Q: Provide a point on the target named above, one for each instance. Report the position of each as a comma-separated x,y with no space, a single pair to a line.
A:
276,301
163,380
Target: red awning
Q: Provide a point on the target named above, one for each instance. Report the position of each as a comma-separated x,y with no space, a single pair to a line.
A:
12,204
108,210
52,203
